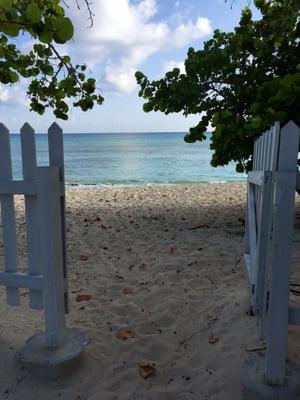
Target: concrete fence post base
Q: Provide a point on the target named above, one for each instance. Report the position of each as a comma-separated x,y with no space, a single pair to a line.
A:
254,386
53,362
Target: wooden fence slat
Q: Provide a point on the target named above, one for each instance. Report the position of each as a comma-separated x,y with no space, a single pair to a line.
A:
256,189
18,187
268,155
56,158
8,216
288,151
21,280
260,152
29,165
259,168
252,229
254,161
280,279
274,144
271,148
256,177
275,147
263,167
264,156
247,241
49,213
264,233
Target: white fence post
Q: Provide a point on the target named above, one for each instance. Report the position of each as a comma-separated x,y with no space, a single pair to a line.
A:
49,217
56,158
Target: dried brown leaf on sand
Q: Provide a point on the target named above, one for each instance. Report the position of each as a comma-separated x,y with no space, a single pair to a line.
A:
213,339
83,297
146,369
172,250
124,334
83,257
127,291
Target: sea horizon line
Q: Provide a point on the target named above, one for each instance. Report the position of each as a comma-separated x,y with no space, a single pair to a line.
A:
114,133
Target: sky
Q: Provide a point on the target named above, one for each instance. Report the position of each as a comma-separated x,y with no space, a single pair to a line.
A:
152,36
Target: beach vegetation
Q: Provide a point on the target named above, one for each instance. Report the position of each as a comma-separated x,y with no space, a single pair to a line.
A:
53,79
241,82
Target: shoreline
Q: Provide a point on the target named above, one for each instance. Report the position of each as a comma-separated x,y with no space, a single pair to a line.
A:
71,185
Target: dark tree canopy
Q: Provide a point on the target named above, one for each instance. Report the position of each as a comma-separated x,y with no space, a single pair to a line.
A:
53,79
241,82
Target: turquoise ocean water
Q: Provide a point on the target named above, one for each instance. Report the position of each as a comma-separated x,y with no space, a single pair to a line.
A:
131,159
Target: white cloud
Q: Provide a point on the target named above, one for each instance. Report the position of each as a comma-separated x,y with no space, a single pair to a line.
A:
124,35
147,9
12,96
119,78
189,32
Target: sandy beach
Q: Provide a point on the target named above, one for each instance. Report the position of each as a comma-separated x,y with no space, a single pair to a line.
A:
156,278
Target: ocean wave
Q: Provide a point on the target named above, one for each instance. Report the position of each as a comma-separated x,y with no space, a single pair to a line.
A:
143,184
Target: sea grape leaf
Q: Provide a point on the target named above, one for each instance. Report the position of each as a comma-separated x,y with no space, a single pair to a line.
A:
33,13
6,5
64,29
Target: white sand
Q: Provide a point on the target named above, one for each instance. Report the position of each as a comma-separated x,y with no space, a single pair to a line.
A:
148,271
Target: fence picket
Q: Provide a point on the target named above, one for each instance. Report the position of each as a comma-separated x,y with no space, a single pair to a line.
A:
254,160
56,158
49,214
268,153
29,165
275,146
259,167
8,216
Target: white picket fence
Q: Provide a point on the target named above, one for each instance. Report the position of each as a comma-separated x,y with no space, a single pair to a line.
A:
44,192
269,241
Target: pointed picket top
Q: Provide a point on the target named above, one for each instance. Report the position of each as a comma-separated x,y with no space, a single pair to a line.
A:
3,129
291,126
289,146
54,129
26,128
56,148
5,154
28,150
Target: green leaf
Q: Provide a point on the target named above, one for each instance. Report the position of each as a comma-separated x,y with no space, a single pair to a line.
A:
148,107
46,36
14,77
33,13
11,29
139,76
64,29
6,5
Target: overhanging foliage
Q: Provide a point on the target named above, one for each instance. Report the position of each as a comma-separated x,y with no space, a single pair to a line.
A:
53,79
242,81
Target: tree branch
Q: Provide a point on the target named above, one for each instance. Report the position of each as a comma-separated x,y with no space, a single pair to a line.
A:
88,5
